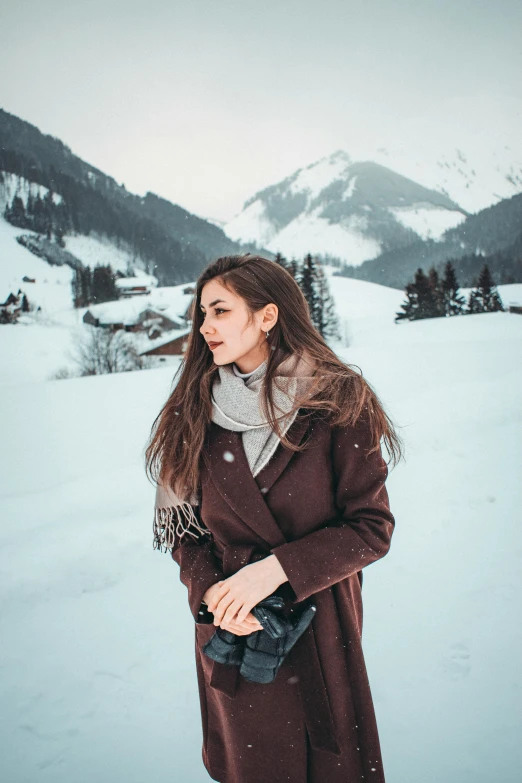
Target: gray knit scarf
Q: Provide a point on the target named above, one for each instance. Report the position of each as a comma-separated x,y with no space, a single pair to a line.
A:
236,405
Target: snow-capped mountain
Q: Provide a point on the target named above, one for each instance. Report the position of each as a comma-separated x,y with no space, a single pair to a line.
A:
356,210
344,208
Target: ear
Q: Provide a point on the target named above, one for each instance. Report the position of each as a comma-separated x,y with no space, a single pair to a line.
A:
270,315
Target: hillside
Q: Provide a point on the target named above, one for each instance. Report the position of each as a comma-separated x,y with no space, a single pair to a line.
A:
69,198
493,235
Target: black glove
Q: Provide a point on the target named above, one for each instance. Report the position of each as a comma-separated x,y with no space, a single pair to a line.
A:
261,653
265,651
227,647
268,613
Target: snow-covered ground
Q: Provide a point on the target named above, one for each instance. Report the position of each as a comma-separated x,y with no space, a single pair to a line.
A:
98,678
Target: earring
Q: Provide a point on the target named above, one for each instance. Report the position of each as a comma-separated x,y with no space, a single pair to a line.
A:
267,334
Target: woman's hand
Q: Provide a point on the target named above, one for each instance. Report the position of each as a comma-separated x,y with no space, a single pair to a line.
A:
235,597
250,623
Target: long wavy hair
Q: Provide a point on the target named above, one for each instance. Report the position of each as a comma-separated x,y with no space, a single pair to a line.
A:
338,392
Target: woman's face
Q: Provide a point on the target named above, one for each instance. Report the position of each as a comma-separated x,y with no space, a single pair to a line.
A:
226,322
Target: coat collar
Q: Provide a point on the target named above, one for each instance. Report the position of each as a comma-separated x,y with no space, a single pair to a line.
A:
228,466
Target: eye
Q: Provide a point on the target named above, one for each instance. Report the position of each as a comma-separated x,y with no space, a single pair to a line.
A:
217,309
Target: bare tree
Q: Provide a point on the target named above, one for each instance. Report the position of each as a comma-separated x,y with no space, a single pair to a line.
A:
100,351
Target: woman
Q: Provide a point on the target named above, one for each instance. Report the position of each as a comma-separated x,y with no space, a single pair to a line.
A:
270,478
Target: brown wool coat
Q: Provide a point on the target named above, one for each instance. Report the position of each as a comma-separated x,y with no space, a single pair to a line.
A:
325,514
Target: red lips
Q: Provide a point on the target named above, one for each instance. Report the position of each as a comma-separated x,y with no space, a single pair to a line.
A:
214,345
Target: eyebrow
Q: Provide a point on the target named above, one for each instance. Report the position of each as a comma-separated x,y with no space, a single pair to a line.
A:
215,302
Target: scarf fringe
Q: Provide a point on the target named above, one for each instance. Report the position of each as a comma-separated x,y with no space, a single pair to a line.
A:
169,524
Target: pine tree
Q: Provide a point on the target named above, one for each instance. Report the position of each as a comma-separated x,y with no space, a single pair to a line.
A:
30,203
438,293
103,284
49,210
281,261
25,304
427,296
75,287
423,298
310,291
87,292
484,298
39,217
329,324
16,213
81,287
454,302
295,270
314,285
58,235
410,306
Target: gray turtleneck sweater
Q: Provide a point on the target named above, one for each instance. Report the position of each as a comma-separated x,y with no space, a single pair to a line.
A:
242,374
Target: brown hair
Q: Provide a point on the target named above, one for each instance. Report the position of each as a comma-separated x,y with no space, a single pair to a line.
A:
178,432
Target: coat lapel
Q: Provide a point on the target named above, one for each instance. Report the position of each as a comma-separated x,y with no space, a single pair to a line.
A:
281,457
245,494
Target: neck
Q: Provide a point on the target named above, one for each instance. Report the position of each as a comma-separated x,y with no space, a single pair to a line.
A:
250,363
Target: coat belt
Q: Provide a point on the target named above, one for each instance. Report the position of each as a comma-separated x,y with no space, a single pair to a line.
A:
304,658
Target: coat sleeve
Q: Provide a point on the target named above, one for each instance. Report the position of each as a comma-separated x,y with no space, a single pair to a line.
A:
362,531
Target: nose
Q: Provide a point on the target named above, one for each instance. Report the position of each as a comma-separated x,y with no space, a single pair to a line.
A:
205,328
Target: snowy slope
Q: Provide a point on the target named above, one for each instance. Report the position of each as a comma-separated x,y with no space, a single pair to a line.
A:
312,233
99,251
98,678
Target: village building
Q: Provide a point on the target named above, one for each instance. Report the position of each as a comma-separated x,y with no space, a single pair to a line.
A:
10,306
159,321
135,286
172,345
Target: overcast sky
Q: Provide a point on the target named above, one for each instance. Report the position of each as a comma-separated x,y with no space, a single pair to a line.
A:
205,102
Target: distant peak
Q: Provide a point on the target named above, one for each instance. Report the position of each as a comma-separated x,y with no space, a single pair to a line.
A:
340,155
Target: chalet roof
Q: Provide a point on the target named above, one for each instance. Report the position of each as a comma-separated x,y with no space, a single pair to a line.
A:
5,293
131,282
144,344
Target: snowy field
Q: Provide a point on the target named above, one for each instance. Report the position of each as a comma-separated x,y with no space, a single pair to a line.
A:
97,672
